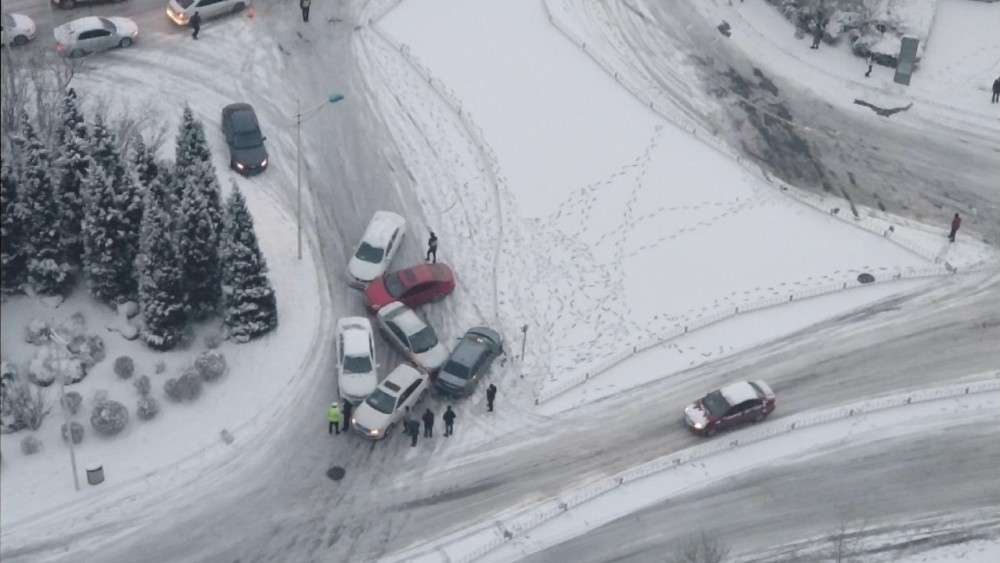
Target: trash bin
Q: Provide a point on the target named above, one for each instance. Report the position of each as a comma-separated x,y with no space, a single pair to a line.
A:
95,474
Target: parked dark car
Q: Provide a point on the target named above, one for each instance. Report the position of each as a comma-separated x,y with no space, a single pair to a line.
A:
732,405
470,359
69,4
247,154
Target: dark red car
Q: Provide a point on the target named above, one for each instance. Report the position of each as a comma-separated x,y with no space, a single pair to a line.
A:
413,286
734,404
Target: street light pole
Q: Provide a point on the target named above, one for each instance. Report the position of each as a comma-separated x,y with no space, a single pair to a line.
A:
332,99
62,402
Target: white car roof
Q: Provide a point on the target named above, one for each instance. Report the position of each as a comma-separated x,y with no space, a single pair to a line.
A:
85,23
736,393
356,342
382,225
402,377
403,317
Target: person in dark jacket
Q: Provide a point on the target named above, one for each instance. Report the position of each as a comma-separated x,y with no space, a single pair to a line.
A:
996,90
414,432
348,408
449,421
432,249
870,62
195,24
428,419
955,224
304,4
491,395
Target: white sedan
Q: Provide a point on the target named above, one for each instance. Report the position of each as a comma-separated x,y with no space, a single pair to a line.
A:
378,415
357,374
18,29
92,34
378,245
412,336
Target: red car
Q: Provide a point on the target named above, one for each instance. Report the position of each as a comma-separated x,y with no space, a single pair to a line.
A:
413,286
734,404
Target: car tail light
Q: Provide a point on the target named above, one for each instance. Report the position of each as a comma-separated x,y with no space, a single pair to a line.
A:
60,47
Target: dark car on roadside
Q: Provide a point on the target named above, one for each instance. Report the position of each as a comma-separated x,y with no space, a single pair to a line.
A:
247,154
69,4
413,286
469,360
733,405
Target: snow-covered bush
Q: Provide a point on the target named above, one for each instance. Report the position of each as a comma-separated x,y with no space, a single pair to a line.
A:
24,405
74,428
73,327
124,367
184,388
99,397
9,371
31,445
72,401
161,367
147,408
143,385
37,332
52,361
213,340
109,418
89,349
210,365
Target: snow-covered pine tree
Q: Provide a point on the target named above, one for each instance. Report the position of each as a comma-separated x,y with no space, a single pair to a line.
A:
198,240
112,221
37,210
191,148
250,305
161,280
12,260
70,169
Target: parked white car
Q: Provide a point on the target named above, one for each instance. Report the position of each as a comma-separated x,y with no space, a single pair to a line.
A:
180,11
408,332
386,406
378,245
357,371
18,29
92,34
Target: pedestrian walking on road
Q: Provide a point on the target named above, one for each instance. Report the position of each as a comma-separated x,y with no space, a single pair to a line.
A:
333,416
428,423
414,432
449,421
491,395
432,249
996,91
870,62
304,4
195,24
955,224
348,409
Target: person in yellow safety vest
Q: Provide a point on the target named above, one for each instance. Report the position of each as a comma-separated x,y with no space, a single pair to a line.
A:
333,416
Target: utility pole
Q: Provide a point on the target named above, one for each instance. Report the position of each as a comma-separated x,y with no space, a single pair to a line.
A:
524,340
298,172
62,402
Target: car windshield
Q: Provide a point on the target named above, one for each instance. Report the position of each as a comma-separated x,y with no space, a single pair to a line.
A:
357,364
8,21
456,369
247,140
394,285
370,253
381,401
423,340
715,403
185,3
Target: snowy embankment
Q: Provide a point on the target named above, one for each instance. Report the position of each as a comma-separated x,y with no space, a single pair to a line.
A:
265,378
615,225
510,536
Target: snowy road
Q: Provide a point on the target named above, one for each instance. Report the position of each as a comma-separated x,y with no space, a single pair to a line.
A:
944,475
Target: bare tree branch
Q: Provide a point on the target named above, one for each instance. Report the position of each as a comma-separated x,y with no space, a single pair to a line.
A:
700,549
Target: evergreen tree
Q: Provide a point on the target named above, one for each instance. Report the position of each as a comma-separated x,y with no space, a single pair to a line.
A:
37,211
13,264
191,150
161,280
112,221
70,170
198,240
250,305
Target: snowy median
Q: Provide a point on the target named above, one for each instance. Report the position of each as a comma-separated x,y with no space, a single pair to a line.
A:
520,533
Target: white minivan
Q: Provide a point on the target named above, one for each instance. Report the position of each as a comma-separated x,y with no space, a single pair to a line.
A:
180,11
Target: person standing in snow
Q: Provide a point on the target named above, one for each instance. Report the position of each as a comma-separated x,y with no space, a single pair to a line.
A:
996,90
432,249
955,224
304,4
870,62
817,36
491,395
195,25
414,432
428,423
449,421
348,409
333,416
